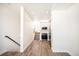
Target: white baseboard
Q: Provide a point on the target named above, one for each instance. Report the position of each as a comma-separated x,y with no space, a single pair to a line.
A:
27,45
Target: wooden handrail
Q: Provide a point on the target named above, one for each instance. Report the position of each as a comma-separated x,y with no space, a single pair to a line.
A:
12,40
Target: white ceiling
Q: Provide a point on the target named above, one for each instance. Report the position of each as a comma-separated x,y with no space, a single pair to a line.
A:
39,11
61,6
42,11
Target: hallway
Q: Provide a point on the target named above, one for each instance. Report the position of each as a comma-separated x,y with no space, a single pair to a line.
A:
39,29
36,48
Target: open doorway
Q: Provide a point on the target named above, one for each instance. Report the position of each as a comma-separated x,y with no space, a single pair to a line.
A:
42,30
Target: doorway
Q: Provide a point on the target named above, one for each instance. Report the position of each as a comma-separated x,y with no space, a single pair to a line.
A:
42,30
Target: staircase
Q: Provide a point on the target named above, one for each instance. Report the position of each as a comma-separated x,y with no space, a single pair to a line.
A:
11,53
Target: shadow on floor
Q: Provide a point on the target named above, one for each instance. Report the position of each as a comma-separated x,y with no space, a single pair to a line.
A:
61,54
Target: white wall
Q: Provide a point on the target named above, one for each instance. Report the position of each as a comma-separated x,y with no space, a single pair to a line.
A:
65,30
44,23
38,24
9,25
28,30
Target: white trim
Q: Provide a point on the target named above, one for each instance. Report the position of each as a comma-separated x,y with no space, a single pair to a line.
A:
40,35
21,28
52,37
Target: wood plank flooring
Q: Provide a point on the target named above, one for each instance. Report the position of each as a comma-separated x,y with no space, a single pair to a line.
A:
38,48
